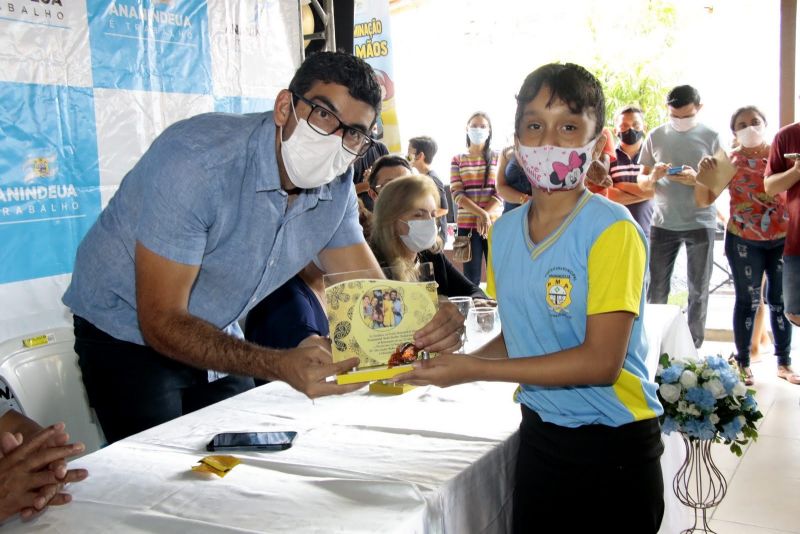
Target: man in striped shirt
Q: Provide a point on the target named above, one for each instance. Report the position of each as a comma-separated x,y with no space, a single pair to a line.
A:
629,129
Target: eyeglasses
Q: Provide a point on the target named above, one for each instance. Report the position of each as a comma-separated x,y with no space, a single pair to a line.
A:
325,122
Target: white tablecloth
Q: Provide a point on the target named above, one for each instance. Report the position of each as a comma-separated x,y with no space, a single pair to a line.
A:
431,460
668,332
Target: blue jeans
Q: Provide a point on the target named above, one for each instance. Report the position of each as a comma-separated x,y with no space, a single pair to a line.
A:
791,284
132,387
749,261
480,251
664,248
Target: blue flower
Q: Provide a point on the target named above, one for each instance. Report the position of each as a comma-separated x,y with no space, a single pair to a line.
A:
749,403
701,397
672,373
717,363
729,379
699,428
669,425
731,430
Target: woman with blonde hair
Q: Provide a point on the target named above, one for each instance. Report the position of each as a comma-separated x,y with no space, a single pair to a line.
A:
404,235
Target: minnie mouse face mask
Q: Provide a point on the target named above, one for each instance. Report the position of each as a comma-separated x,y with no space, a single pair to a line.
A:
555,168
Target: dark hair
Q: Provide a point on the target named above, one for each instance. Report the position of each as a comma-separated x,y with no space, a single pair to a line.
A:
569,82
342,69
487,145
426,145
630,109
742,110
388,160
683,95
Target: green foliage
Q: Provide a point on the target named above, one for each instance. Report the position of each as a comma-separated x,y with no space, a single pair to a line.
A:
633,85
630,76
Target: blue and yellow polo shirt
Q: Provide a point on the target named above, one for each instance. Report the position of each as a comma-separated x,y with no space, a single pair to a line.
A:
593,263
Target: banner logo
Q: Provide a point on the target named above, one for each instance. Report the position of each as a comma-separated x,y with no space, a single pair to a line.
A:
42,12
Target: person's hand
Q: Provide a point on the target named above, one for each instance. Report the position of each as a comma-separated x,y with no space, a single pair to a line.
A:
688,176
443,332
444,370
659,171
484,222
306,368
484,303
597,174
28,484
51,493
708,163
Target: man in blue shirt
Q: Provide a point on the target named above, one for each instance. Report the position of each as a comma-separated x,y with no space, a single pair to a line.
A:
218,213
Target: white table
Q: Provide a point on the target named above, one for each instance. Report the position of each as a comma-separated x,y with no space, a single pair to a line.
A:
431,460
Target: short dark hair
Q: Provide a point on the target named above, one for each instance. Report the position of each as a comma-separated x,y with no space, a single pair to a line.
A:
389,160
741,110
569,82
426,145
342,69
630,109
683,95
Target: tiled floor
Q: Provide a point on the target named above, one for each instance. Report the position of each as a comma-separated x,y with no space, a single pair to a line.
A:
764,484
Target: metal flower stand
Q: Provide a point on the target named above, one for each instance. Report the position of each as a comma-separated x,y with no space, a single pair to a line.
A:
698,483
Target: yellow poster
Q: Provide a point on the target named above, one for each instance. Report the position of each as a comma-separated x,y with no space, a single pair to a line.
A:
375,320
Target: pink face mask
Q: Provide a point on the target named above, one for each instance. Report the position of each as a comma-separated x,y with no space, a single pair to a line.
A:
555,168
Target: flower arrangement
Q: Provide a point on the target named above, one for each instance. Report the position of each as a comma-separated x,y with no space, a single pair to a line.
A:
705,399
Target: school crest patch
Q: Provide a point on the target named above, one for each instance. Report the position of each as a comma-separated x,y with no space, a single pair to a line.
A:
558,293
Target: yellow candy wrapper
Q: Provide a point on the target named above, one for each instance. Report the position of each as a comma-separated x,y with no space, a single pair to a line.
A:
219,465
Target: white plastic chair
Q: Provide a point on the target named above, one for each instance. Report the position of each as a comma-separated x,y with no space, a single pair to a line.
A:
42,372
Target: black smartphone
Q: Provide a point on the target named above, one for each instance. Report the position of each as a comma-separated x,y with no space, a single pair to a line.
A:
252,441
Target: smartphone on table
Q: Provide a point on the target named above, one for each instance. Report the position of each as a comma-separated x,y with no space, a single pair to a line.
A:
252,441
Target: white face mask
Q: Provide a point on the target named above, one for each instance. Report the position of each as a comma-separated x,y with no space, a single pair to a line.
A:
312,159
683,124
554,168
751,136
478,136
421,234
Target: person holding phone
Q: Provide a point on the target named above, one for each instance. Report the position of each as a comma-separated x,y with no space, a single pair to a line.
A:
783,175
573,335
677,220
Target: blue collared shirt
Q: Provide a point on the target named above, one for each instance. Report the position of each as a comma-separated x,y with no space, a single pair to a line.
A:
207,192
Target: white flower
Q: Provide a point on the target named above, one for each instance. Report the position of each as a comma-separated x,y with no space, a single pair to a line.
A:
685,360
742,420
688,409
715,387
714,418
739,390
688,379
659,370
707,373
670,392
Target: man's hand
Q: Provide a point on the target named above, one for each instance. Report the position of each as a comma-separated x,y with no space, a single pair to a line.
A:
597,174
306,367
444,370
29,480
688,176
659,171
443,332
